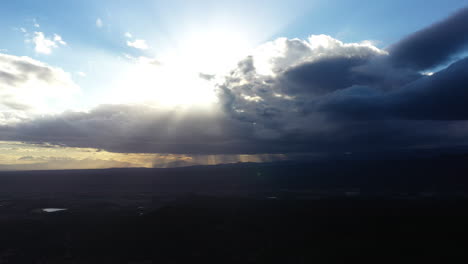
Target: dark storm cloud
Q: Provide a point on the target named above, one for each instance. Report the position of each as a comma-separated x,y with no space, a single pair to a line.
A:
362,100
442,96
323,76
319,95
133,128
433,45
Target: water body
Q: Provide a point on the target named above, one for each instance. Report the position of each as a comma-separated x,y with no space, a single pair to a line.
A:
53,210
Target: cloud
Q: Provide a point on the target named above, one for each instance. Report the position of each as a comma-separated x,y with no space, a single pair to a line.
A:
296,73
207,77
29,85
35,24
325,95
131,128
433,45
142,60
99,23
58,39
138,44
317,95
128,35
45,45
440,96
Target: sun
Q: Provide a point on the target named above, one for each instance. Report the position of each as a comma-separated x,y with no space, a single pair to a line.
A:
187,73
213,51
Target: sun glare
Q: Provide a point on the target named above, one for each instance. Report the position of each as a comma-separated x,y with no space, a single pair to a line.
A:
186,74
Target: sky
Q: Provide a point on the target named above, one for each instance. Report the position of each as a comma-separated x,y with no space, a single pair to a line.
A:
101,84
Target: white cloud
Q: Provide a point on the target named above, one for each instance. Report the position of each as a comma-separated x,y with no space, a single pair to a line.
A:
138,44
99,23
30,86
58,39
45,45
280,54
128,35
142,60
42,44
36,25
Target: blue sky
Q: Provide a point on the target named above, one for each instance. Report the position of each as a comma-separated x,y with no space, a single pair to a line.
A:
100,65
384,21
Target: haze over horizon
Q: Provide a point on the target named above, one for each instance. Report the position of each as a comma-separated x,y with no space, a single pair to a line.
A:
102,84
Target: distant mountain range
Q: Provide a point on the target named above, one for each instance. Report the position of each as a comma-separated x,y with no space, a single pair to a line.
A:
446,173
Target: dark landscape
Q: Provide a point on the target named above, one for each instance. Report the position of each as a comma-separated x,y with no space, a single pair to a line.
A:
384,211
